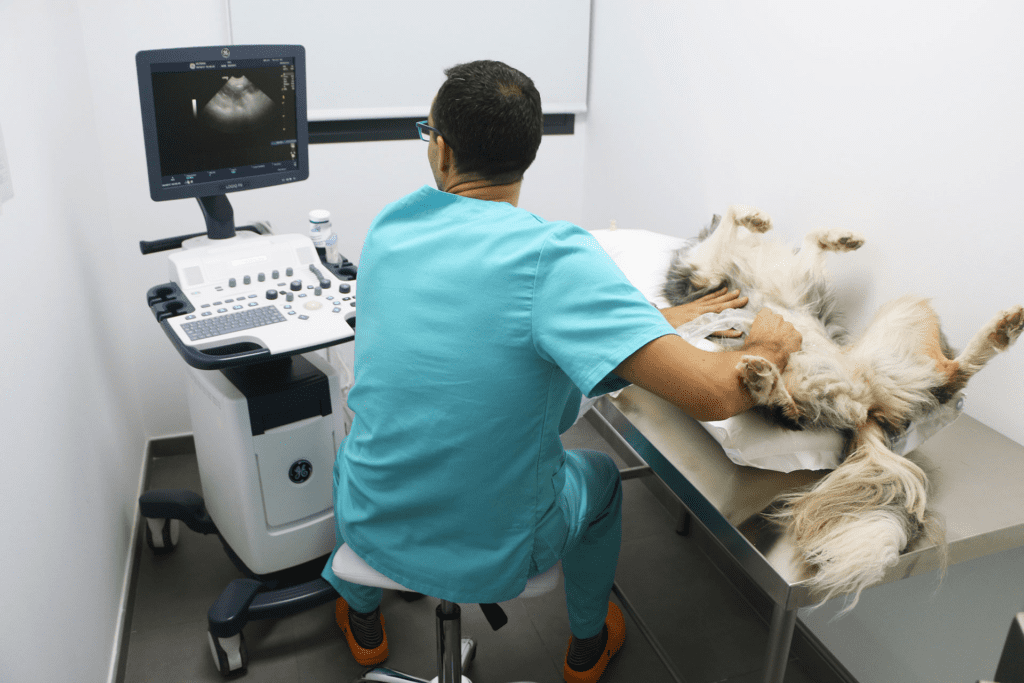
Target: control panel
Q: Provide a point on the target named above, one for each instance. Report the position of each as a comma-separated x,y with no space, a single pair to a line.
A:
251,297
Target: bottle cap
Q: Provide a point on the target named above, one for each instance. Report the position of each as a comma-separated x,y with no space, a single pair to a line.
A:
319,216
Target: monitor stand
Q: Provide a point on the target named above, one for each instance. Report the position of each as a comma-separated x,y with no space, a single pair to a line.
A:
220,217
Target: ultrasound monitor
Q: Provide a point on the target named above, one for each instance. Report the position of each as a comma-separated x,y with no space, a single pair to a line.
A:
223,119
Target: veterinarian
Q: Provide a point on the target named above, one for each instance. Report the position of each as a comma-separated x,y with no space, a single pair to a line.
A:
479,326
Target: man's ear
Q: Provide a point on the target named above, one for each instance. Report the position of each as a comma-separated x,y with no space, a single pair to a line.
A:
445,161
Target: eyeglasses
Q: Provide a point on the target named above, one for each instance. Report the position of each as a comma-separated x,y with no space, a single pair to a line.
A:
425,131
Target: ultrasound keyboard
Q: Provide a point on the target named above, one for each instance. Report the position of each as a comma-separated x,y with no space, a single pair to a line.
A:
251,297
233,322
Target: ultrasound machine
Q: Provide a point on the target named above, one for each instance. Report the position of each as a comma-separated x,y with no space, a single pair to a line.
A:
246,310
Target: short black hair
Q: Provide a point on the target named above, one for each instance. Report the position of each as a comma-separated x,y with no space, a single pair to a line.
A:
490,116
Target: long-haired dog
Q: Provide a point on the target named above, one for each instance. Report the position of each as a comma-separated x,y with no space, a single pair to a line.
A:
854,522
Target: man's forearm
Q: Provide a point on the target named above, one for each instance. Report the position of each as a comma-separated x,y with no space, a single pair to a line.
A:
705,385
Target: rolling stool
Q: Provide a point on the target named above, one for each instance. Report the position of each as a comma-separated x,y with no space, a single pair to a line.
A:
450,662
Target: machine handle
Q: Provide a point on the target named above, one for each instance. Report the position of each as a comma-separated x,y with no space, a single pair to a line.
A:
168,243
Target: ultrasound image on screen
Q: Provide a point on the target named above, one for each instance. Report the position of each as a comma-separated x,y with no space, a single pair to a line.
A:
238,107
214,119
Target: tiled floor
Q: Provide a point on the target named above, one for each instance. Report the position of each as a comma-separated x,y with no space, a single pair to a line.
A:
711,634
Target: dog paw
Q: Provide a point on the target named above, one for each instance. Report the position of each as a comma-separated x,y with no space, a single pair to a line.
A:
838,240
1008,327
753,219
760,376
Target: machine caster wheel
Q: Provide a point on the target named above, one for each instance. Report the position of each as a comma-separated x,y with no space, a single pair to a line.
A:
162,534
229,654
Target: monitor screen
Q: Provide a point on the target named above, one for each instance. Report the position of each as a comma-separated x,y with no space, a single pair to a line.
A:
223,119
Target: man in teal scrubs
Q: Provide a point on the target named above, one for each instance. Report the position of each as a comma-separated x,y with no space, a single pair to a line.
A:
479,327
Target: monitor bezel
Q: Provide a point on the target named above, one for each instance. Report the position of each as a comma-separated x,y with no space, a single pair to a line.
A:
146,58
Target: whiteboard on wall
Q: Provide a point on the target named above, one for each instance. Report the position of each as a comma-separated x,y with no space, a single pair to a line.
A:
370,59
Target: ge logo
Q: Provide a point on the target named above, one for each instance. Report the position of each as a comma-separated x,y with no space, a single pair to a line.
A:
300,471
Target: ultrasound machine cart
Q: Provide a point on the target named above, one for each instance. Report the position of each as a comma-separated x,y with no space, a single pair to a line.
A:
246,309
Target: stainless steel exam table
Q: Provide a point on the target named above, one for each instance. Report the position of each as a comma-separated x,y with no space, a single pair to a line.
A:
976,477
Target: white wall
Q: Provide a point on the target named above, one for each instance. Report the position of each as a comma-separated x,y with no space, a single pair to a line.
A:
900,120
72,429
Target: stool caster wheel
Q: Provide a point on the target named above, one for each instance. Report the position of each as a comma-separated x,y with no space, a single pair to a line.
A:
162,534
468,652
229,654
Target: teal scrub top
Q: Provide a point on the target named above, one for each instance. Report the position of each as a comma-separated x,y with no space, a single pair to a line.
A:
478,326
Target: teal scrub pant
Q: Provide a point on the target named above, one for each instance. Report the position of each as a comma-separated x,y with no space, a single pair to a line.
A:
585,533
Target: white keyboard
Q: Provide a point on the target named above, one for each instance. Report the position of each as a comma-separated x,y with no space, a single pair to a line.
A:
270,291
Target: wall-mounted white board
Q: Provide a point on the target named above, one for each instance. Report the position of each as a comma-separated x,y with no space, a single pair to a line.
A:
385,58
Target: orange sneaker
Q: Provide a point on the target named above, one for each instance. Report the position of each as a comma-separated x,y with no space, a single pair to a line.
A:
616,637
363,656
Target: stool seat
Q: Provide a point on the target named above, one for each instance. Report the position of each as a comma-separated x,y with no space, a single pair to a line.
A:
352,568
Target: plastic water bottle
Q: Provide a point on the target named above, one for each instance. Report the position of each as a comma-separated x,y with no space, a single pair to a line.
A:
324,239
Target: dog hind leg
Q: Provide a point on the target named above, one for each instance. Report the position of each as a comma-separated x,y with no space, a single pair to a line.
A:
997,335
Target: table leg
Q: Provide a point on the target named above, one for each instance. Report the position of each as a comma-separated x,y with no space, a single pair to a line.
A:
780,636
683,522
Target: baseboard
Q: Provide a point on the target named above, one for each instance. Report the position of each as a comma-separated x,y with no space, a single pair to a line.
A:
172,445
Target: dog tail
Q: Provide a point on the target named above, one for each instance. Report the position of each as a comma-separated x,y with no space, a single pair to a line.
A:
853,524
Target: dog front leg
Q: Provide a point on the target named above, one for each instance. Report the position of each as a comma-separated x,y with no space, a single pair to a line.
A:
764,382
811,259
711,260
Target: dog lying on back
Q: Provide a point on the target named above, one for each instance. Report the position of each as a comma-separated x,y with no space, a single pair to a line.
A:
855,522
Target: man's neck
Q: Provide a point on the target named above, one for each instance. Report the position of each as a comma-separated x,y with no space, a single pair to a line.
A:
485,190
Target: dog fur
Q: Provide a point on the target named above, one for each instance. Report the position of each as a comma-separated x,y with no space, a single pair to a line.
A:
853,524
